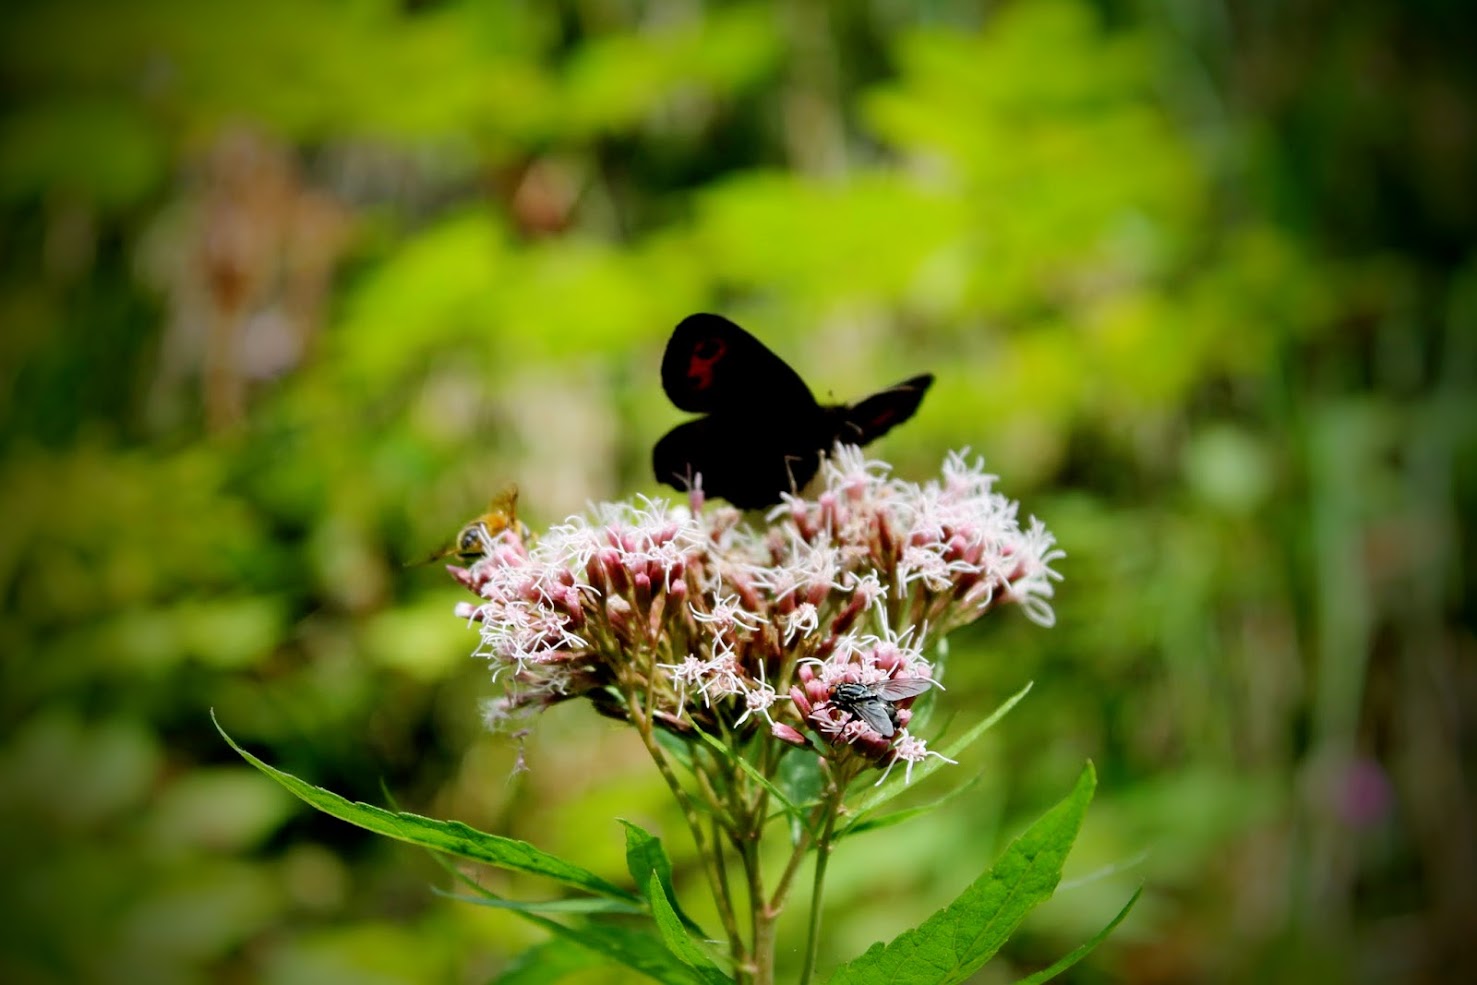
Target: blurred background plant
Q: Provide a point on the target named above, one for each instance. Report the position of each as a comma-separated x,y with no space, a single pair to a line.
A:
289,289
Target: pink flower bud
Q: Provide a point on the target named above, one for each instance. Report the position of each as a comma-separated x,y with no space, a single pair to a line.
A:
846,618
802,703
615,571
785,733
618,611
654,619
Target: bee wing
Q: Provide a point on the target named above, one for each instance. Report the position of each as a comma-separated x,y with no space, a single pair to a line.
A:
874,712
898,690
506,501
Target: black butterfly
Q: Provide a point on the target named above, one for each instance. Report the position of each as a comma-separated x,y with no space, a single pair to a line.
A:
764,434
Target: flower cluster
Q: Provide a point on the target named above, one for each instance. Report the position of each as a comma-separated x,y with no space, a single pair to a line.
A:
685,618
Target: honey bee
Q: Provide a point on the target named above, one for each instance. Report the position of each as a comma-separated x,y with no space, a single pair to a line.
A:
476,538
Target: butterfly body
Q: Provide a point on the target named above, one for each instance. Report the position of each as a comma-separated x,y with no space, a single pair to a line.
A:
763,433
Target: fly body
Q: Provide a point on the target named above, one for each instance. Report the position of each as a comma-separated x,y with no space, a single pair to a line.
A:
873,703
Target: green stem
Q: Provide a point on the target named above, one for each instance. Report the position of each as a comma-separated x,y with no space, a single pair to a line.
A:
712,859
822,856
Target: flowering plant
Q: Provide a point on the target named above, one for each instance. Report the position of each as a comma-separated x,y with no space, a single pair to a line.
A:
768,671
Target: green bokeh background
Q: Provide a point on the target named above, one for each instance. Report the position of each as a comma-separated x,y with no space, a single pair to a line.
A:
288,289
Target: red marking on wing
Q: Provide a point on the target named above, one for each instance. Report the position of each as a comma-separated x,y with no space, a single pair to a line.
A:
700,365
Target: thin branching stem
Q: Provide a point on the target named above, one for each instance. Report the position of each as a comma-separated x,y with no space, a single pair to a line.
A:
822,856
711,858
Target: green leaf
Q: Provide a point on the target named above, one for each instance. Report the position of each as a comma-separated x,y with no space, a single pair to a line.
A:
451,837
645,856
922,770
861,825
621,944
546,963
1067,960
956,940
578,904
748,768
799,775
675,936
612,942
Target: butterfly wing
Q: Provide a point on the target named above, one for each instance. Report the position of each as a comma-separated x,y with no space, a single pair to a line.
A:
747,464
869,419
761,437
713,366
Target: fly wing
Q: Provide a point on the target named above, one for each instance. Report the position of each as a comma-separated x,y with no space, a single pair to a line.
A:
875,712
897,690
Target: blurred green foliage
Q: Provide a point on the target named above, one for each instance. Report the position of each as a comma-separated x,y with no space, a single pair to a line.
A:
289,289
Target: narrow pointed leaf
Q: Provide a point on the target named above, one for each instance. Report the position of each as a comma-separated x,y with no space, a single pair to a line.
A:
450,837
922,770
547,963
1067,960
954,942
611,942
623,945
645,856
577,904
676,939
862,825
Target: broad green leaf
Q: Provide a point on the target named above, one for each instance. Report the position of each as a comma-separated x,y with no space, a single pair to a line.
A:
955,941
451,837
644,856
1067,960
675,936
546,963
922,770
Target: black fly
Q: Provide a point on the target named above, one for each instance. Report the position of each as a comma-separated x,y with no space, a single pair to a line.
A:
873,703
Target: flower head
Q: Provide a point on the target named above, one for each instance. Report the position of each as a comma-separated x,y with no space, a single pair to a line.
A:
689,618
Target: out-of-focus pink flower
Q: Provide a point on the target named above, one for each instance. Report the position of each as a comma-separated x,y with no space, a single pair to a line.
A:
1366,797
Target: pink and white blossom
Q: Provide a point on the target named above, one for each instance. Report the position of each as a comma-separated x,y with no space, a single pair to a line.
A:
700,620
